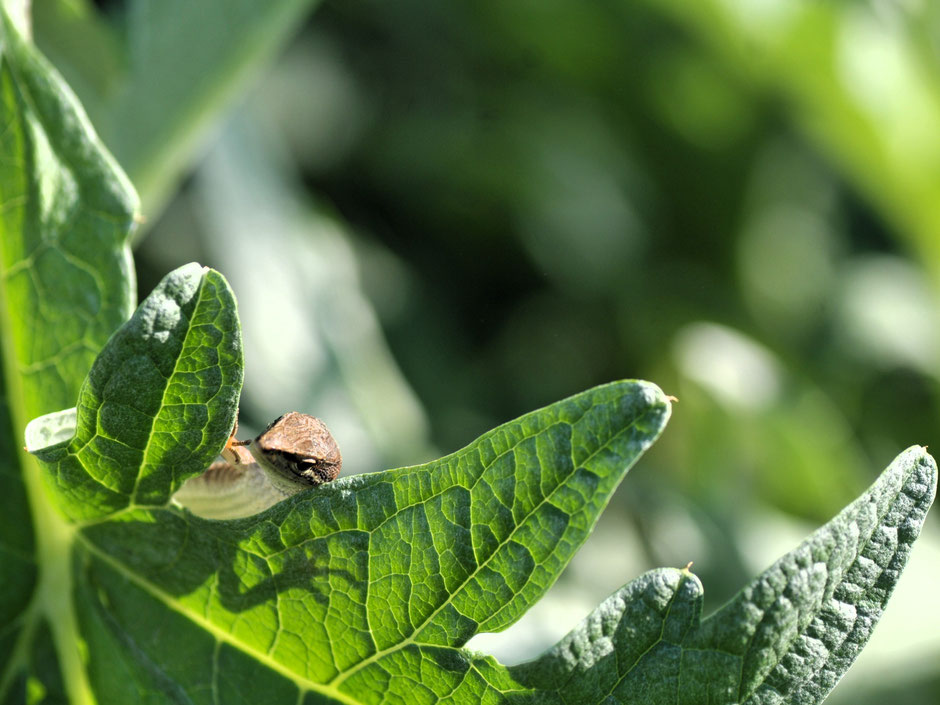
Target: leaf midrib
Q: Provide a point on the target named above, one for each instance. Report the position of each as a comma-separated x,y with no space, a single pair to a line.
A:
166,387
53,539
659,640
14,398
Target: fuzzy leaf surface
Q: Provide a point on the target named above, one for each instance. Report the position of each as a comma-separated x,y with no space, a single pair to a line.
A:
787,637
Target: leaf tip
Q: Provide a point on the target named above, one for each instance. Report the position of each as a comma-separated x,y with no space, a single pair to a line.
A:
658,398
931,465
920,468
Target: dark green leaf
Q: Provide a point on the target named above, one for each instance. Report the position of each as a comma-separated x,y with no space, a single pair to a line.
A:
367,588
361,591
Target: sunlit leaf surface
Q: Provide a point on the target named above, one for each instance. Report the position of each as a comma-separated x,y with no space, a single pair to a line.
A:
361,591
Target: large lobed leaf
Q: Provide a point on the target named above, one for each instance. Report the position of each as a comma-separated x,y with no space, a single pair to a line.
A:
366,586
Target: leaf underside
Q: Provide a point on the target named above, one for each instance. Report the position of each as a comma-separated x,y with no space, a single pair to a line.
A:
787,637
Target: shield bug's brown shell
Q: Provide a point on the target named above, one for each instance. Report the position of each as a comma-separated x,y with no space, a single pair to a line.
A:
300,448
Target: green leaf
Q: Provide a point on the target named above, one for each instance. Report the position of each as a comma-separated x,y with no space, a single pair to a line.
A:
788,637
369,587
66,213
366,586
155,76
66,282
158,403
17,12
362,591
877,125
42,682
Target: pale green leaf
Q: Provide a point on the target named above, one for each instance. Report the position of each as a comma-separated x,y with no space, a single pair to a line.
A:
788,637
65,213
862,86
66,282
154,78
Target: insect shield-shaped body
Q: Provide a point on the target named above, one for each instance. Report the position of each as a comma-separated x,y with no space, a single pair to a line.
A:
297,451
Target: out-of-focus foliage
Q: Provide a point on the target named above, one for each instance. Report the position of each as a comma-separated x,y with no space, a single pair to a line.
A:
497,184
153,74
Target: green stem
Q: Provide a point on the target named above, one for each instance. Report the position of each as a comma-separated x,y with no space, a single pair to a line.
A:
54,536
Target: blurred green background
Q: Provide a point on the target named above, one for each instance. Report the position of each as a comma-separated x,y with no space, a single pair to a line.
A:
440,215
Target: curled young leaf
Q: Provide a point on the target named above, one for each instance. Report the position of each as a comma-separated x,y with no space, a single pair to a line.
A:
158,403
